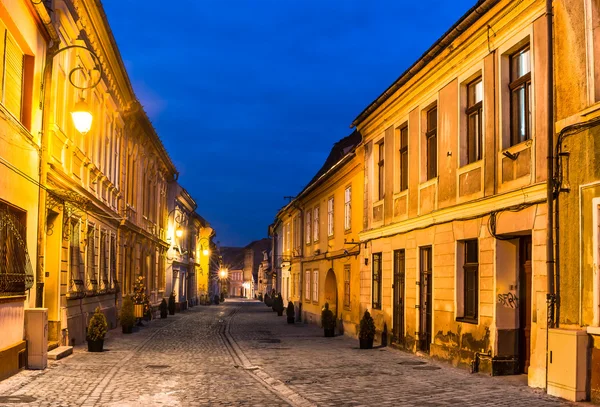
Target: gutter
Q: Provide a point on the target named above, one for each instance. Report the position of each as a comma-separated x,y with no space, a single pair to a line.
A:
466,21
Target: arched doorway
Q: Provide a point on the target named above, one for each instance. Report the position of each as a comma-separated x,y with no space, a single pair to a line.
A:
331,291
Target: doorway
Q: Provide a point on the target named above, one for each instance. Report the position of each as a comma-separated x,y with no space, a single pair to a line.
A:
399,283
425,300
331,291
524,303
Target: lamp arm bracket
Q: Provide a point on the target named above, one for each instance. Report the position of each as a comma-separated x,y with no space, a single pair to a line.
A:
79,68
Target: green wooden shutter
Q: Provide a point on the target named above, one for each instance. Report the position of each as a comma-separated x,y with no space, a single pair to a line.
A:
13,81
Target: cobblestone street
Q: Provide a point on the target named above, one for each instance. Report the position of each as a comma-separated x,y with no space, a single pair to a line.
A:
241,353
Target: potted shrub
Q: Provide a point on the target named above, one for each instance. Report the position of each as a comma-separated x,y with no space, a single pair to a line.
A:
366,331
268,301
97,329
164,308
172,303
127,317
274,303
278,305
290,313
222,299
216,299
328,321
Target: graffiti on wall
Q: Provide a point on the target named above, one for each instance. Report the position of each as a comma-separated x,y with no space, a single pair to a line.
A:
508,300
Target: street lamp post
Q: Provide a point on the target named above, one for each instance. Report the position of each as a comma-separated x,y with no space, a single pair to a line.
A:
82,119
223,276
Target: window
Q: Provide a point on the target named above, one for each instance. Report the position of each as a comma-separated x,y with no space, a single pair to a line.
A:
376,280
520,96
404,158
307,285
308,224
330,217
91,258
287,237
348,208
470,283
316,224
103,272
11,73
380,171
473,113
297,236
74,256
315,287
431,137
347,286
16,273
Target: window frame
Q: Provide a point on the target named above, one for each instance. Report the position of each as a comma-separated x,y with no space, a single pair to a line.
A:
308,226
403,163
470,110
348,208
315,286
380,170
316,226
431,146
307,284
514,85
347,279
377,271
469,311
330,217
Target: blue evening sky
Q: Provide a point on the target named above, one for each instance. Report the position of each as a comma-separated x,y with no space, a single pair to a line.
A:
249,96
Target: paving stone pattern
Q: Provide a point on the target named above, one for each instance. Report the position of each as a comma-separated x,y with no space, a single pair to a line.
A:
193,359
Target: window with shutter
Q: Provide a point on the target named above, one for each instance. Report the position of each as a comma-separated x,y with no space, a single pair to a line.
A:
12,73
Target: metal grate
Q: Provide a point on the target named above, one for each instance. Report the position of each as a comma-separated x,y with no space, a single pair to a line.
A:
16,272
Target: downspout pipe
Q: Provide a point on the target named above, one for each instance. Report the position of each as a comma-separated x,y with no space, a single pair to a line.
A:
550,295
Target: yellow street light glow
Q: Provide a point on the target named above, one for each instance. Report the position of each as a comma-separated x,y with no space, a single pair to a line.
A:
82,118
205,252
179,232
223,273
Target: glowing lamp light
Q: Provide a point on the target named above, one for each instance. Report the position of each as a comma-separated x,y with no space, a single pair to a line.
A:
179,232
205,252
223,273
82,118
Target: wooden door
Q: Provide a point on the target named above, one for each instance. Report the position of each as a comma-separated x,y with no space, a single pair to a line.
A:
524,303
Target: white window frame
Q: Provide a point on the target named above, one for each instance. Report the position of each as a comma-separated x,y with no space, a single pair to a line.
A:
316,224
315,286
307,277
330,208
307,222
348,208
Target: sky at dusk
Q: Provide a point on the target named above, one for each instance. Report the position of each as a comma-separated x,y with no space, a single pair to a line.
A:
248,96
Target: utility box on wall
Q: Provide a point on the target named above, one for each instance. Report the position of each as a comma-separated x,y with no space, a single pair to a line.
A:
36,334
567,363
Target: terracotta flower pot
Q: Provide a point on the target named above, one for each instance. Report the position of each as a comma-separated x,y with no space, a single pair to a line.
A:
127,329
95,346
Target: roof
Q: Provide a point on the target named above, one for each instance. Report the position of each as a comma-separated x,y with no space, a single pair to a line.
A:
463,23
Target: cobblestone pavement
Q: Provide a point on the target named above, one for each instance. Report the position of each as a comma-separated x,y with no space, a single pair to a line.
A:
242,354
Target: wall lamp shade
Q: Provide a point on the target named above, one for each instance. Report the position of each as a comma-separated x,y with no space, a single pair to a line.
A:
205,252
82,118
179,232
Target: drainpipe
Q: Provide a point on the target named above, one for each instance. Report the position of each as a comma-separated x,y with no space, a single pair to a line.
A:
550,296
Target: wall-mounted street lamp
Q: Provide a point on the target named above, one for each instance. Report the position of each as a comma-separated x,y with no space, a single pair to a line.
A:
81,115
204,244
177,221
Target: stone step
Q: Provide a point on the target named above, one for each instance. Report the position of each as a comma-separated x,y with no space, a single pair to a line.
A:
60,352
52,345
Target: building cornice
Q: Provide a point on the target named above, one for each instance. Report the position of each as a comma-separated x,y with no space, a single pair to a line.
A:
479,207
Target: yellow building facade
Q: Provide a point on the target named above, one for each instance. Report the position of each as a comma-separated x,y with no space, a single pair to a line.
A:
23,45
455,175
319,259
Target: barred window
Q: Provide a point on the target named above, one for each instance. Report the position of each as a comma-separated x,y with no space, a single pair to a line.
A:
16,272
307,285
91,258
77,279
